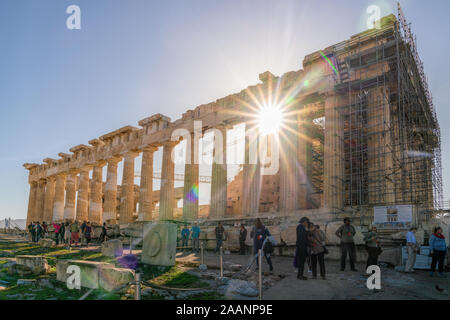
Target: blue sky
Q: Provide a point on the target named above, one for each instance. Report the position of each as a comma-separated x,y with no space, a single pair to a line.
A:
134,58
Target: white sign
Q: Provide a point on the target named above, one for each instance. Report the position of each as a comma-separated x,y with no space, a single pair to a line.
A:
399,216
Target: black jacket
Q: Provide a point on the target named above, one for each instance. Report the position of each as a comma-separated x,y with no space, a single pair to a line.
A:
302,238
242,235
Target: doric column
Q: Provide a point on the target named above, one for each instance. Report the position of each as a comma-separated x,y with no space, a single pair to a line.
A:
167,198
71,194
40,197
333,154
127,194
191,186
109,212
146,187
58,204
95,199
32,202
288,167
49,198
83,195
251,182
218,206
304,163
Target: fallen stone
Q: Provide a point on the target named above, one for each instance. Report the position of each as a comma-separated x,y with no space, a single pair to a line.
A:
46,243
203,267
37,264
241,287
112,248
26,282
89,271
159,245
111,279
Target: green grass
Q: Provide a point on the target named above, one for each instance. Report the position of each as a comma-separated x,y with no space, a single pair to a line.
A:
177,277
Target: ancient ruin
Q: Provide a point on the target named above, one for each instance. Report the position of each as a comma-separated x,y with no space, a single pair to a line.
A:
360,131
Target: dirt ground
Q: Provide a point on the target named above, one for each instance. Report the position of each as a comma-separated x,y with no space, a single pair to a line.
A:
338,285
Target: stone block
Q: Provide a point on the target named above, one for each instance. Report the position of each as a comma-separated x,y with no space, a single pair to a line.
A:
289,235
89,271
111,279
160,240
46,243
37,264
112,248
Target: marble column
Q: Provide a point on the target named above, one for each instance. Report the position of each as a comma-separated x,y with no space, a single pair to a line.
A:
288,167
109,212
95,199
251,180
218,206
71,194
40,197
32,202
146,187
83,195
304,163
333,155
191,183
127,194
49,199
167,198
58,204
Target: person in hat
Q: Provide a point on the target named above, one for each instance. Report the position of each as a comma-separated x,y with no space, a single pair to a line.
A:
346,232
412,248
302,246
372,247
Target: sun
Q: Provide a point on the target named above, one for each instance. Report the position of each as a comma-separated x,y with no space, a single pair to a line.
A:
270,119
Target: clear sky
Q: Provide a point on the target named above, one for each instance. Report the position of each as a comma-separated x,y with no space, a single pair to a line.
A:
134,58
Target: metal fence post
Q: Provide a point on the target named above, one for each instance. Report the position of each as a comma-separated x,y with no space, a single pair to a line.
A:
131,242
137,291
221,261
201,254
260,272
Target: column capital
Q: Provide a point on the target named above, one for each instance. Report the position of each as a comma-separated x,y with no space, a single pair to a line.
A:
170,143
130,154
113,160
150,148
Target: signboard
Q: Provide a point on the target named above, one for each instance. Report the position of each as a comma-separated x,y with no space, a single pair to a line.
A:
395,217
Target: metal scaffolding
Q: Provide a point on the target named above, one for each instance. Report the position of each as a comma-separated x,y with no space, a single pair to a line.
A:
390,133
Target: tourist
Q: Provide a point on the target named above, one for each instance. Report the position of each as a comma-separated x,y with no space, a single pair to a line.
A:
38,230
412,248
184,237
87,233
346,232
44,229
74,230
62,231
195,235
67,234
242,238
219,236
317,246
57,228
104,233
302,247
438,250
82,238
260,236
31,230
373,247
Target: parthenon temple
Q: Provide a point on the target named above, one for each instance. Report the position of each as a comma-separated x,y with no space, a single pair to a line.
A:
359,131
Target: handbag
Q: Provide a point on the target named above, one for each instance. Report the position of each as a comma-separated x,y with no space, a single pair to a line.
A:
380,250
325,250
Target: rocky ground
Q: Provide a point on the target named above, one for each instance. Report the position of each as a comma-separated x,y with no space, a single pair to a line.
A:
189,282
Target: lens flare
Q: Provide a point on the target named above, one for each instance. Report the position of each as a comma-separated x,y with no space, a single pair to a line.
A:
270,119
